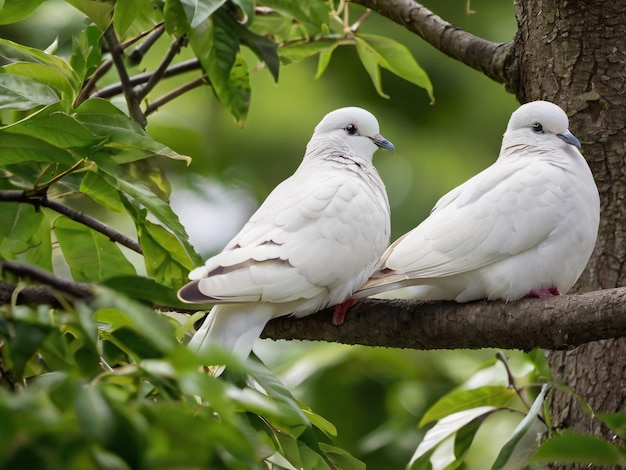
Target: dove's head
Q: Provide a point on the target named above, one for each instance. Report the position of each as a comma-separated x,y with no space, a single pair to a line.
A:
542,123
353,131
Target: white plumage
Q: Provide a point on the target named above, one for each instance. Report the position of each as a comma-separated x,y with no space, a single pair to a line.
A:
315,239
525,226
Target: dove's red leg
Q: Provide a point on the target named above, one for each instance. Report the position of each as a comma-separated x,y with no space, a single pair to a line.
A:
543,293
340,311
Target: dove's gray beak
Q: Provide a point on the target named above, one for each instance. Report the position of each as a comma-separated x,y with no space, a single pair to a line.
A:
569,138
385,144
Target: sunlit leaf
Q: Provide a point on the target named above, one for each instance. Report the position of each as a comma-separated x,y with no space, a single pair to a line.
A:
12,11
296,52
525,438
323,61
397,58
198,11
90,255
460,400
446,427
86,55
23,93
100,12
571,447
369,59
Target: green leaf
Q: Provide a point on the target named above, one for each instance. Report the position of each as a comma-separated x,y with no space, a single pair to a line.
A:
98,189
318,421
573,447
446,427
616,422
23,93
90,255
341,458
25,235
125,13
369,59
142,288
56,128
296,52
16,148
397,58
127,138
43,75
324,60
165,258
100,12
22,60
459,400
265,49
525,438
86,55
27,339
94,414
12,11
176,23
198,11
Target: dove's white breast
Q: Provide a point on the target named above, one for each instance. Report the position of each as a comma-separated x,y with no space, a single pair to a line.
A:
318,236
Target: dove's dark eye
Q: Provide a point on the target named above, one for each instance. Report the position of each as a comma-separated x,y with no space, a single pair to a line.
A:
351,129
538,128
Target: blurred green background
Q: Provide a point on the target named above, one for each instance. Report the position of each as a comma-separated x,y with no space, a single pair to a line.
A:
374,396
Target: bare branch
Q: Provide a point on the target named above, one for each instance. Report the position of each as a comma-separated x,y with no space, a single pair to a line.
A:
117,54
137,54
175,93
37,295
158,74
177,69
495,60
81,217
560,322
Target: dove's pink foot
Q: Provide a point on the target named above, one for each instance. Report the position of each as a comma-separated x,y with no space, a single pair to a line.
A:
340,311
543,293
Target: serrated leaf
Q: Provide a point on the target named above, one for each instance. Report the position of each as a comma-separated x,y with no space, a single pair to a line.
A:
397,58
100,12
15,10
23,93
369,59
446,427
460,400
525,437
570,447
90,255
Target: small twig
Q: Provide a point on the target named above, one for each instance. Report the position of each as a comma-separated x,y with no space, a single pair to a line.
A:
159,73
86,91
176,69
137,54
38,200
41,188
357,24
511,378
75,289
117,54
175,93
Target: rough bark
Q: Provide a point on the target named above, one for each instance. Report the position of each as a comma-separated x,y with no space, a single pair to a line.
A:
556,323
573,53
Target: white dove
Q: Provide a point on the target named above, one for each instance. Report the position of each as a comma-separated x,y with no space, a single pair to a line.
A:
524,227
317,237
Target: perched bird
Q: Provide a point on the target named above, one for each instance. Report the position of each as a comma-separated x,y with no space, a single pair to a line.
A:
315,239
524,227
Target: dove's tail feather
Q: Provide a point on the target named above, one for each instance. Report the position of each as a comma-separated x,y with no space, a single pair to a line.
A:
234,328
382,284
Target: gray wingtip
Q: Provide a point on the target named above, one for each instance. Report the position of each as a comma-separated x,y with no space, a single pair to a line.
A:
190,293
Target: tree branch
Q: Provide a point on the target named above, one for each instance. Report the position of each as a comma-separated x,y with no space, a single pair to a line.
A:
175,93
42,201
561,322
495,60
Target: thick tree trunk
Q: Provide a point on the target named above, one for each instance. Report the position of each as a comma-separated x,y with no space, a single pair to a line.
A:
574,53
